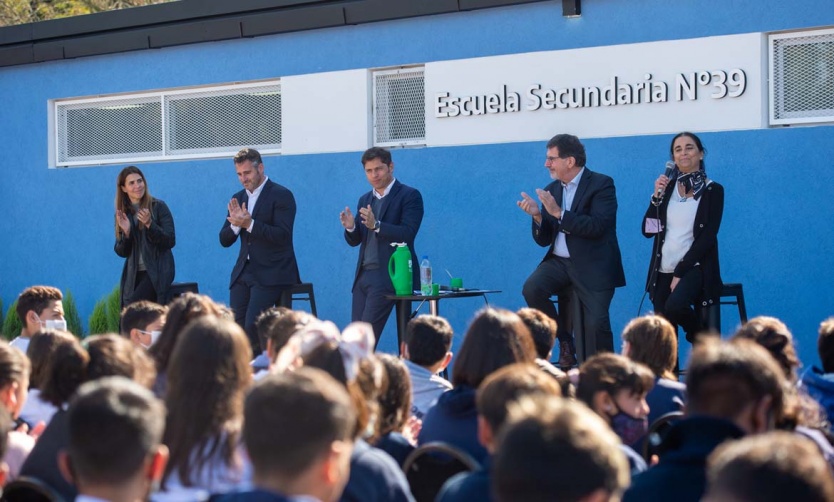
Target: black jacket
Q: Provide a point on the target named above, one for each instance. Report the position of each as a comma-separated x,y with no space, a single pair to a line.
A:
704,249
155,244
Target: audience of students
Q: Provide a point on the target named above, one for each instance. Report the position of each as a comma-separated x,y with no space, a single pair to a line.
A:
208,375
615,388
329,420
497,392
496,338
557,449
733,389
770,467
426,352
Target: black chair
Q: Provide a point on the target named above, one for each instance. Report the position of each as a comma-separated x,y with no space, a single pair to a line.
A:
28,489
431,465
657,433
300,292
178,288
731,294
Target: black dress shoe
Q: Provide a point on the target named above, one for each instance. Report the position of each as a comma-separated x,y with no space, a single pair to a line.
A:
567,357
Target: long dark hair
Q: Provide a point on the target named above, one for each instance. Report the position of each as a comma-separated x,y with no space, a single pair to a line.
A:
207,379
123,201
181,311
496,338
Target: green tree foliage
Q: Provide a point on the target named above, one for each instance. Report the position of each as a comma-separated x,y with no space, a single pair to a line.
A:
105,316
74,325
30,11
12,324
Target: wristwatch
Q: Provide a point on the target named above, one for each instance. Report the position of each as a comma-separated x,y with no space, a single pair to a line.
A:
376,225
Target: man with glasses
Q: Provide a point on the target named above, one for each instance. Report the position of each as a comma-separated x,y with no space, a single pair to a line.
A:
262,216
578,220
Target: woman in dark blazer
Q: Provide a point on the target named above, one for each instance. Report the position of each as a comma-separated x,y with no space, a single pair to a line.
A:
144,237
684,217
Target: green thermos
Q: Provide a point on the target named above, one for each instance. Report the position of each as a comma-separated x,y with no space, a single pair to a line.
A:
399,269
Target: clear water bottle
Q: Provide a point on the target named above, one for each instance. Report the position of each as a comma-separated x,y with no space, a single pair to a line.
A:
425,276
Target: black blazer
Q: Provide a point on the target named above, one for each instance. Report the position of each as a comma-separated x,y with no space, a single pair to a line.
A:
590,228
704,249
155,244
269,246
400,218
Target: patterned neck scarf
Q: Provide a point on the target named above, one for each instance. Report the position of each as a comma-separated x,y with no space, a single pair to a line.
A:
695,182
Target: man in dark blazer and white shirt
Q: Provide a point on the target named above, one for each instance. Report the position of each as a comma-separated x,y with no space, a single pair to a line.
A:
262,216
390,212
578,220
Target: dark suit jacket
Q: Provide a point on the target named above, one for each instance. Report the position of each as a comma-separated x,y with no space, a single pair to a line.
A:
269,246
590,228
399,217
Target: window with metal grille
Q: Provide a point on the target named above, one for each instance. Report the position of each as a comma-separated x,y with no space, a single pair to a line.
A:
167,125
399,107
802,77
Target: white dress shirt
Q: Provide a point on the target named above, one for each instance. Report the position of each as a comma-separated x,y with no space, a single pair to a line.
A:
568,191
250,206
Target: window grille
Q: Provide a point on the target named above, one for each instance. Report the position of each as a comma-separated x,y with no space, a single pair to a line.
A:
399,107
169,125
802,77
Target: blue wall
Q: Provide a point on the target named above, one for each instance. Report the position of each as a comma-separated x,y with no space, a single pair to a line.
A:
776,237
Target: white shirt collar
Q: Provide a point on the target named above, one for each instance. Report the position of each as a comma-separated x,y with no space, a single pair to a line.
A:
575,180
386,191
259,189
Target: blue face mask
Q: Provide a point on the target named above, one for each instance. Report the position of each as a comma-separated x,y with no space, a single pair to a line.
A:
630,429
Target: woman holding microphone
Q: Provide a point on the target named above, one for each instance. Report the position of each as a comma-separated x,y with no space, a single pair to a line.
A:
144,237
683,217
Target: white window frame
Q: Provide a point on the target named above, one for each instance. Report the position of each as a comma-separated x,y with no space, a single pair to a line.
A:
774,103
400,70
160,95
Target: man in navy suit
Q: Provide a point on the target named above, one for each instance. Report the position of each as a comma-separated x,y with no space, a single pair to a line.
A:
578,220
390,212
262,216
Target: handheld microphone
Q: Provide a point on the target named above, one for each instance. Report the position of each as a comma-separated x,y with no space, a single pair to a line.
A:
670,168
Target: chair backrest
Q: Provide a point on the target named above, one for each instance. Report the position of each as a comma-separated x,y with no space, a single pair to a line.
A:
430,465
28,489
657,433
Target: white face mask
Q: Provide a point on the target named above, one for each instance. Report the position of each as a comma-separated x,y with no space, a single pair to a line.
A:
59,324
154,337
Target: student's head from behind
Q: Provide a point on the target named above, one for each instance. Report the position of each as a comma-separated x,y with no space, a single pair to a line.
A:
615,387
114,355
496,338
142,322
182,310
770,467
553,446
307,451
40,350
115,432
825,345
41,307
428,341
66,370
348,358
276,325
14,378
653,341
738,381
395,401
505,386
773,335
542,329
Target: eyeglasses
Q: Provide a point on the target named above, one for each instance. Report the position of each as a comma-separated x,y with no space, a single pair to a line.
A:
551,160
